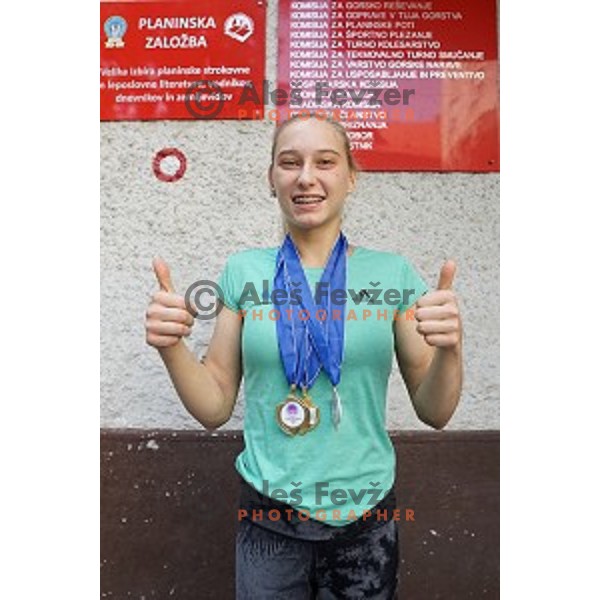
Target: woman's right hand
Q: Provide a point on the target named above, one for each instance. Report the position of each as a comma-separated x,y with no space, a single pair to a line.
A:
167,318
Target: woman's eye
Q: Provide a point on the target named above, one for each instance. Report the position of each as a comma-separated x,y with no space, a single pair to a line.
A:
326,162
289,163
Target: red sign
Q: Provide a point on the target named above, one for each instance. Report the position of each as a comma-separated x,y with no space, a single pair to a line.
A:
415,83
181,60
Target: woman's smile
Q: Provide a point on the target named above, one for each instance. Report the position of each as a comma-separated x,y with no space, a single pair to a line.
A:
308,201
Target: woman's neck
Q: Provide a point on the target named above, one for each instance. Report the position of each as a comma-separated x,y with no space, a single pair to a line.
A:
314,245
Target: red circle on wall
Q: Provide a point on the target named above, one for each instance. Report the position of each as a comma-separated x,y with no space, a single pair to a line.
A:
160,156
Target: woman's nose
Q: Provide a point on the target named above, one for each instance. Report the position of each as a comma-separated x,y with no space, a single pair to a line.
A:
307,175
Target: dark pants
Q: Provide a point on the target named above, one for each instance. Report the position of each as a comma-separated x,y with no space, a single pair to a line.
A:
272,566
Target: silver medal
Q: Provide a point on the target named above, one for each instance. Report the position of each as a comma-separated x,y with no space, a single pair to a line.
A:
336,408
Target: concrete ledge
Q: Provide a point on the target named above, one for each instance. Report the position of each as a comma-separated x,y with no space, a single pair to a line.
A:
169,510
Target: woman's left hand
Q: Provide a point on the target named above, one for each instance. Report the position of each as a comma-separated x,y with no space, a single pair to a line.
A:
437,312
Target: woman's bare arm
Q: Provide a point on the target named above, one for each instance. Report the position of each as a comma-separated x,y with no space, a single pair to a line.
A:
429,352
208,388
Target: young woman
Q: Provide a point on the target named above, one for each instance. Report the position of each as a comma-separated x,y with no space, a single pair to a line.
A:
315,350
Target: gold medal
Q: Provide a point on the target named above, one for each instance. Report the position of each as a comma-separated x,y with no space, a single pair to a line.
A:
297,414
313,415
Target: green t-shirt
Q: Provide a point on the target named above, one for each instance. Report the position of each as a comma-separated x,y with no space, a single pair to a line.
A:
358,459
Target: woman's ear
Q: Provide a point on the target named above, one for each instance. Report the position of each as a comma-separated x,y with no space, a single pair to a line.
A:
271,184
352,184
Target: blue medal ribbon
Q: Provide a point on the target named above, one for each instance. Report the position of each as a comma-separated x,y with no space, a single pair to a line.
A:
306,345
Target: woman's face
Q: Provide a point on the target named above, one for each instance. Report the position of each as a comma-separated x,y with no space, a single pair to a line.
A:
310,173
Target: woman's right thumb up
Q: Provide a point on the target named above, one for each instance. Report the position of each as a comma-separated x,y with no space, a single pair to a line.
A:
163,275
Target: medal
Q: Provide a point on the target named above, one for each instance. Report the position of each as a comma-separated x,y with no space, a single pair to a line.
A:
308,345
297,414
